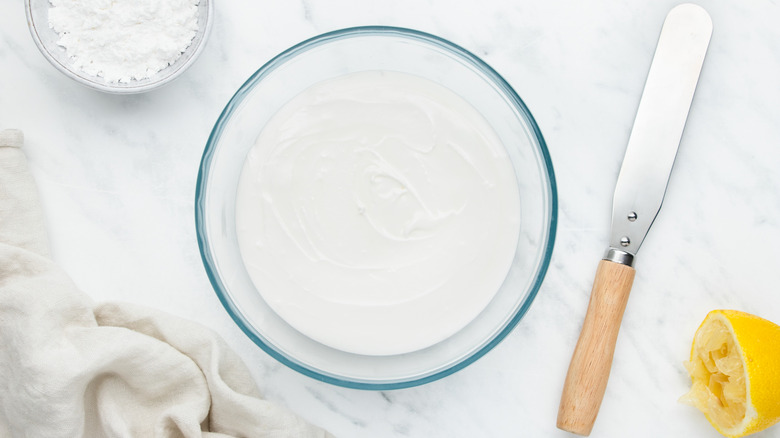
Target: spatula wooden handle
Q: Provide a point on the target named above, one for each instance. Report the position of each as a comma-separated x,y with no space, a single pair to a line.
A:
589,369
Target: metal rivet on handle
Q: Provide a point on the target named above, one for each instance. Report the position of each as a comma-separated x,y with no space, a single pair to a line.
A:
632,216
625,241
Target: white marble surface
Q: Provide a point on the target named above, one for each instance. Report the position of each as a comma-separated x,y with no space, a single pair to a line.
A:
117,177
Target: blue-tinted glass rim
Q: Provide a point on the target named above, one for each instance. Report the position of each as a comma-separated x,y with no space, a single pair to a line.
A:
234,103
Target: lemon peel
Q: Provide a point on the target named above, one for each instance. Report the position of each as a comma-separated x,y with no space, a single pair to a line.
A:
735,372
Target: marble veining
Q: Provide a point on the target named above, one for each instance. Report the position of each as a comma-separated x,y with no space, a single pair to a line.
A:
117,177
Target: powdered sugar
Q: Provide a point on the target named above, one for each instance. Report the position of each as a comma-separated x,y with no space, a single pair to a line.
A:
123,40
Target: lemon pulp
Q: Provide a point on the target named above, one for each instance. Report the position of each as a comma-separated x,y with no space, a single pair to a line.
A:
718,376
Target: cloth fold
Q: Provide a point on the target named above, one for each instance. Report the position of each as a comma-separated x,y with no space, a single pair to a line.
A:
71,368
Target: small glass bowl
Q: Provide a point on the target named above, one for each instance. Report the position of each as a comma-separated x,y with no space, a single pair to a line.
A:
334,54
46,40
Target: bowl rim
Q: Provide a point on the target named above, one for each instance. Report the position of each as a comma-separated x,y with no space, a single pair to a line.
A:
238,98
33,28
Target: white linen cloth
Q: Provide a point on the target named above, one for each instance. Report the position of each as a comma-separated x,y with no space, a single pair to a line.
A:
70,368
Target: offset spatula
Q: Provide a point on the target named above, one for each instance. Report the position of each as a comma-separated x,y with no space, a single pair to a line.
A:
640,189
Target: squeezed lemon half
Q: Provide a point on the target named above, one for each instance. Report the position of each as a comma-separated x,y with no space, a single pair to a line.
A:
735,372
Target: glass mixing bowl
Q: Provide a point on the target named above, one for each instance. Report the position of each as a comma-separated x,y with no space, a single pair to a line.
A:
46,40
334,54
